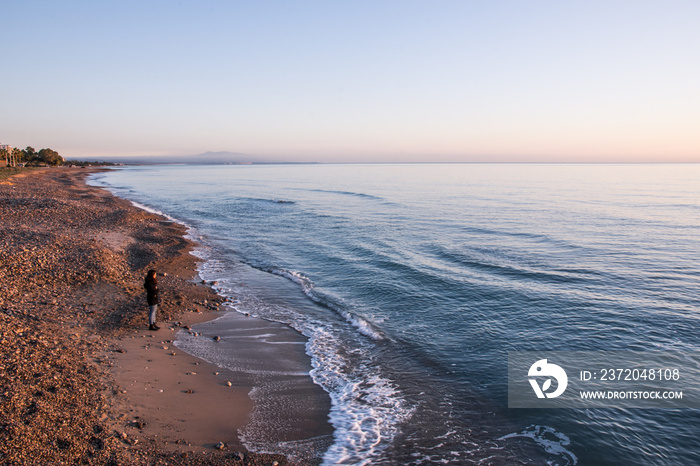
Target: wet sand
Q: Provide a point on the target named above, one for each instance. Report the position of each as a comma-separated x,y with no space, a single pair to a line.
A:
82,380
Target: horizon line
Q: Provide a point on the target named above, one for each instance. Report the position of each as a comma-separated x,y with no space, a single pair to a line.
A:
415,163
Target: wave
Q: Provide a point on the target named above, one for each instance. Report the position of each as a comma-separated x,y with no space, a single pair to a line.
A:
157,212
364,326
348,193
272,201
491,264
367,408
552,441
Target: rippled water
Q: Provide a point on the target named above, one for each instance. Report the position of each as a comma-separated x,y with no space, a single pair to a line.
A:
412,282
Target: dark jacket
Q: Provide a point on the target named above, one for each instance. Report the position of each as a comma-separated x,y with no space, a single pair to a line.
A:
151,292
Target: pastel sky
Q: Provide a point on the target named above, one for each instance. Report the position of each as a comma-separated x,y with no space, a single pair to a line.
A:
354,81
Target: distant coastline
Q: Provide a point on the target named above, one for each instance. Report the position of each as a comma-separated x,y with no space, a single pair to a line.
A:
206,158
234,158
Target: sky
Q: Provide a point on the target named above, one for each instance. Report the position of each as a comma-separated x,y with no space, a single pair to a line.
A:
354,81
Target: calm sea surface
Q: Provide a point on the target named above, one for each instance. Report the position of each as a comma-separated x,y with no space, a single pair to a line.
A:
412,283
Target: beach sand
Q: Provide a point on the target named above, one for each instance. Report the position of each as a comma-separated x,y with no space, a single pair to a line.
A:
82,380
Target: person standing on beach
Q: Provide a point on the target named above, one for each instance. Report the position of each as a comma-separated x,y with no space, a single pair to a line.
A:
151,285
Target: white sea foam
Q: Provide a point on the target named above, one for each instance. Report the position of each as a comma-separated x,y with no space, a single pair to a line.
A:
552,441
156,212
367,409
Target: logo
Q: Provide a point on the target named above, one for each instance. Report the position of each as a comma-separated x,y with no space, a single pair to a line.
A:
544,369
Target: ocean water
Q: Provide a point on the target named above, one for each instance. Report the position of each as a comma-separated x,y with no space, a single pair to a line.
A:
413,282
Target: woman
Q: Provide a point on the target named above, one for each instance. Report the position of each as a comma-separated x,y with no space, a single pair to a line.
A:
151,285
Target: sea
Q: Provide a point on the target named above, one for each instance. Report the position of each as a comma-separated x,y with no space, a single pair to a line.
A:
412,283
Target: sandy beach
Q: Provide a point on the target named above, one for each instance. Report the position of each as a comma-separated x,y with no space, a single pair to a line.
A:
83,381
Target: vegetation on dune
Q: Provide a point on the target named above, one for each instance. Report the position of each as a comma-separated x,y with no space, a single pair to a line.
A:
16,159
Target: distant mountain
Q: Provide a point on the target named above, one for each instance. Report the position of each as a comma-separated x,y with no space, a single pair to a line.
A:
224,157
206,158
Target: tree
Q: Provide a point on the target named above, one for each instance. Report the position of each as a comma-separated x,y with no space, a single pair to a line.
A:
49,157
16,156
28,154
13,156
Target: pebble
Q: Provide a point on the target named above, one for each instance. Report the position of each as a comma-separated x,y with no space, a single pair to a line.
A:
139,424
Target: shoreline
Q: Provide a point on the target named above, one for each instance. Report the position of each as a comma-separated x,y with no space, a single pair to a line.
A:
76,346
